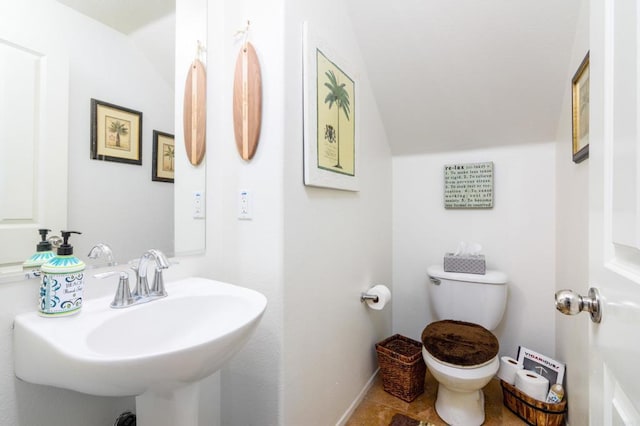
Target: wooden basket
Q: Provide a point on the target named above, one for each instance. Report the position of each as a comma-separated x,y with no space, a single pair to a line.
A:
401,366
532,411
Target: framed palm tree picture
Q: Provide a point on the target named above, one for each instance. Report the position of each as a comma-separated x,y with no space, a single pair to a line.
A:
330,119
163,157
116,133
580,111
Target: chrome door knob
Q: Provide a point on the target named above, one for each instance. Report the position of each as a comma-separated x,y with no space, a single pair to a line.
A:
571,303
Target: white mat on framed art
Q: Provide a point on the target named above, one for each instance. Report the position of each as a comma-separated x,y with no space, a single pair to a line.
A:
330,116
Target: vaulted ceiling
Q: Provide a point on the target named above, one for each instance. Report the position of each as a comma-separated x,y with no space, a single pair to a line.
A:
125,16
460,74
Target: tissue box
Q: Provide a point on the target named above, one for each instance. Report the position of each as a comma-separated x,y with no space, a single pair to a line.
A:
466,263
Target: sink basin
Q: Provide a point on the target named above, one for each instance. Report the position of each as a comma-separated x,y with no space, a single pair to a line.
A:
152,348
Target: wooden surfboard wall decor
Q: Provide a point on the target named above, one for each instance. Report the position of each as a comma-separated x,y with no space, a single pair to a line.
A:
247,101
195,112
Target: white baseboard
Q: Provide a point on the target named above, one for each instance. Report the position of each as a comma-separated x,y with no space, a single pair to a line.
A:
358,400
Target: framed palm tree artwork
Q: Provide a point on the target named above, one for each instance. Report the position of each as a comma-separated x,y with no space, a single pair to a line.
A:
163,157
116,133
330,117
580,111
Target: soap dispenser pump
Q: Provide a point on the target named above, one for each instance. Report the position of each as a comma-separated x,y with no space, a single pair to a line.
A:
43,254
62,281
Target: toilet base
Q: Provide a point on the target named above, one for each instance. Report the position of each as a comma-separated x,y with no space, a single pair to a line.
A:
460,408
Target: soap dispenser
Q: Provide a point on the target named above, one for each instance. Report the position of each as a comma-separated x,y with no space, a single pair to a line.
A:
43,253
62,281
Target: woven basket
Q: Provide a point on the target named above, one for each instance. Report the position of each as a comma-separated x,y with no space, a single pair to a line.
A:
532,411
401,366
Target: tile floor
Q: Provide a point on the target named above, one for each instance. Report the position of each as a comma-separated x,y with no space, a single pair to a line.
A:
378,407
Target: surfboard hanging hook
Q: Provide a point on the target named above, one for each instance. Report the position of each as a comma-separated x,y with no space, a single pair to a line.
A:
245,35
200,50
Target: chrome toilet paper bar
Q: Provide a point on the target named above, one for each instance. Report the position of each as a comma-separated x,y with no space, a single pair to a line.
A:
364,297
376,297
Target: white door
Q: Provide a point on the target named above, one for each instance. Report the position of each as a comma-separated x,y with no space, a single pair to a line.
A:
614,216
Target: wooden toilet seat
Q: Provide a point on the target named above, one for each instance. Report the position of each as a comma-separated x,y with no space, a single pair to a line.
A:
459,343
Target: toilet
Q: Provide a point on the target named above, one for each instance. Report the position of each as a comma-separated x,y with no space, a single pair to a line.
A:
459,348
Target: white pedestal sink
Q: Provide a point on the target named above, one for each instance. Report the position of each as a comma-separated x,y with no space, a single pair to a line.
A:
157,351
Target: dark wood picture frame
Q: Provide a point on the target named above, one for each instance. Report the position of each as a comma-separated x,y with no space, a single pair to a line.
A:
116,133
163,157
580,111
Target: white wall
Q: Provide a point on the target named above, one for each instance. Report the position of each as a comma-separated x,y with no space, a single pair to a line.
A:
337,244
517,235
572,243
302,365
248,252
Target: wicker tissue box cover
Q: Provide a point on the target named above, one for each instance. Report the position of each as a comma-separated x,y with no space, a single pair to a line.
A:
466,263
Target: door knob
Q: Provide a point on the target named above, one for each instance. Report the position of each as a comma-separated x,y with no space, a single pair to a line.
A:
570,303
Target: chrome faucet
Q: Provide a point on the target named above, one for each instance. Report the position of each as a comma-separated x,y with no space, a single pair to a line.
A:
102,249
142,294
123,297
142,284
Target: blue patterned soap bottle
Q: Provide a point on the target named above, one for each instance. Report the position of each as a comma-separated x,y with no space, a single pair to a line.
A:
43,253
62,282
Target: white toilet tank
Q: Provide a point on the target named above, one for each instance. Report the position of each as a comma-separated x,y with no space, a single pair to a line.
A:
480,299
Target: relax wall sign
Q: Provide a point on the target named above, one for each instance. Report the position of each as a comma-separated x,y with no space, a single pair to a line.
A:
468,186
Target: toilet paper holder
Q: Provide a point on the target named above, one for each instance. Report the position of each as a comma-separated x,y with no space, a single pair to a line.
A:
365,296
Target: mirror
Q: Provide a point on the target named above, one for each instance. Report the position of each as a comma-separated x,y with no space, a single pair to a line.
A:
133,67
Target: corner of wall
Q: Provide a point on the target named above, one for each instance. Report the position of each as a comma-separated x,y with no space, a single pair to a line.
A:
572,241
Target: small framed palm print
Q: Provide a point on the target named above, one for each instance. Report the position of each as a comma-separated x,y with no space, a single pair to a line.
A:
116,133
163,157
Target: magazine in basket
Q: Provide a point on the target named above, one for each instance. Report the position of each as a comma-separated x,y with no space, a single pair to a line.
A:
547,367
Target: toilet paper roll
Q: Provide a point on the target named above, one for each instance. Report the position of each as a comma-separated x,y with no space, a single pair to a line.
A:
532,384
384,297
508,369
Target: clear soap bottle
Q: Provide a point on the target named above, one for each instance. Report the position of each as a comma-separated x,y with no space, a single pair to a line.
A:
62,281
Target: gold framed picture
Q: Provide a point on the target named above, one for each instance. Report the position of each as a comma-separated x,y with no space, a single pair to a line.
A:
580,111
116,133
163,157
